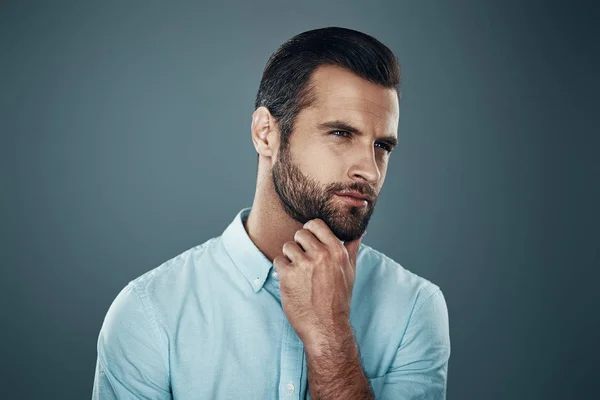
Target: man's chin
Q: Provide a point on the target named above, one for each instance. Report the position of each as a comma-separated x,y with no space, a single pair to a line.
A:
342,231
348,236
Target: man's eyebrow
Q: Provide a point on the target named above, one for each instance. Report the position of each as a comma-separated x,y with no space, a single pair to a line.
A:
344,126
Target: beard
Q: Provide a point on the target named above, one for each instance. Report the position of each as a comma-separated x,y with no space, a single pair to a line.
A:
304,199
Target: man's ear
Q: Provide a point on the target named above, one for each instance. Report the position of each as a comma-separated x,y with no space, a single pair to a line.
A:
265,132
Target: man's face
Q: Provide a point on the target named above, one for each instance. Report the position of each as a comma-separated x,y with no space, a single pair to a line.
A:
339,143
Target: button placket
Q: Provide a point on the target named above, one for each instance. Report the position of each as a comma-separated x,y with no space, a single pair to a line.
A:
292,353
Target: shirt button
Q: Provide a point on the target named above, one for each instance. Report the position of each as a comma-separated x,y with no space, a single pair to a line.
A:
290,387
256,282
275,275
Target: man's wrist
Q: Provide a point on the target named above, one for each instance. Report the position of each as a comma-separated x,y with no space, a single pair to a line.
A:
338,341
335,371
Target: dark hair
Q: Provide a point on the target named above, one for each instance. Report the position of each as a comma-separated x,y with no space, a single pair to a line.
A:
284,88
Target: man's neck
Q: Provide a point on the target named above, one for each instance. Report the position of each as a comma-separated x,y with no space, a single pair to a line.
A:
269,226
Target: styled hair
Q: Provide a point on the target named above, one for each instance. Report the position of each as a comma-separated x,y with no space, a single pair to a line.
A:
284,88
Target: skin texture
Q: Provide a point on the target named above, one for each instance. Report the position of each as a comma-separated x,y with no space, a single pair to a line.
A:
308,232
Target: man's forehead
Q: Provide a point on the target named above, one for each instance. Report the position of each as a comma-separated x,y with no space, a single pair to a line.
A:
335,88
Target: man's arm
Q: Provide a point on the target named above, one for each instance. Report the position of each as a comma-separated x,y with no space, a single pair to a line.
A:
130,364
335,372
316,277
418,371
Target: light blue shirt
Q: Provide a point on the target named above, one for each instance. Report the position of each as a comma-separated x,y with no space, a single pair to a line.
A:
208,324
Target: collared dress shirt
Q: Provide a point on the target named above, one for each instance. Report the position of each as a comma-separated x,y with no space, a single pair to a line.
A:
208,324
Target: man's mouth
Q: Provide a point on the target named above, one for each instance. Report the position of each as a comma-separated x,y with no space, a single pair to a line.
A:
354,198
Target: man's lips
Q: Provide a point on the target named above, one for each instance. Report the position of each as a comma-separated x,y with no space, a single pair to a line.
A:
355,195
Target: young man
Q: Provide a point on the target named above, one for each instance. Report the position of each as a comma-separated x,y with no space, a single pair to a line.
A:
287,303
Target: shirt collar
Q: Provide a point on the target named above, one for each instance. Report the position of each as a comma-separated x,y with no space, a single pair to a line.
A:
243,252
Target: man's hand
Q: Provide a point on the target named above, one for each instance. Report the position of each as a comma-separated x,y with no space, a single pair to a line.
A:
316,277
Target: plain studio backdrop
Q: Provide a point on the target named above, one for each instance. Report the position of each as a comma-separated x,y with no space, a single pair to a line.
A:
126,141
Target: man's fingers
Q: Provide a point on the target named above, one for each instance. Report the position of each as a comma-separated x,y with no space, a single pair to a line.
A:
307,240
319,228
281,263
292,251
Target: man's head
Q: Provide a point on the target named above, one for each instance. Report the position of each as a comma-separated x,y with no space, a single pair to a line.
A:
326,119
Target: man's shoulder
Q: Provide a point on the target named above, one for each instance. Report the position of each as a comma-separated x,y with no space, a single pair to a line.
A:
175,270
155,297
383,273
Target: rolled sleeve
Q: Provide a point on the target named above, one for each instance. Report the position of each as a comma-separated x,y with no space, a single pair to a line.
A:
419,369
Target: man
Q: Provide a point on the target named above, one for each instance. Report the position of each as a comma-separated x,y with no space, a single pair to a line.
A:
287,303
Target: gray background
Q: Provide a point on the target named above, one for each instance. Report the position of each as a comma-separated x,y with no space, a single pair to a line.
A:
126,140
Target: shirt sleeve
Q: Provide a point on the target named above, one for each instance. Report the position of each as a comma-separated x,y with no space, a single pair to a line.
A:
419,369
129,363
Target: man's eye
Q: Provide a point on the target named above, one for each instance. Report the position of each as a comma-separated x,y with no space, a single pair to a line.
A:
385,146
340,133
